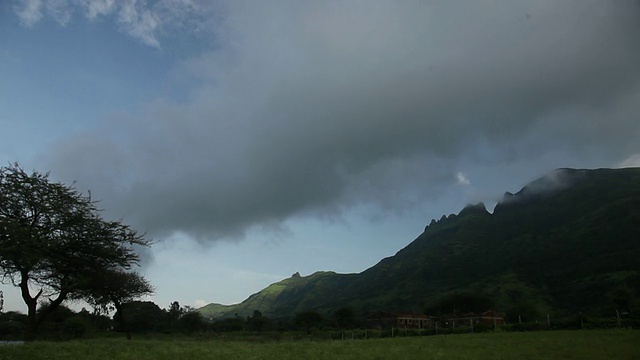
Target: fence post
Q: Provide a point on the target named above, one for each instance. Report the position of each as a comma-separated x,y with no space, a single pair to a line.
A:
549,321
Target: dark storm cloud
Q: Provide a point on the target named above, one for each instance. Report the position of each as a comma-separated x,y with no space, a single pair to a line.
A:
310,108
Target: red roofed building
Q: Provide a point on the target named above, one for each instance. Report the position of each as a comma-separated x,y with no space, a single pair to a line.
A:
386,319
489,318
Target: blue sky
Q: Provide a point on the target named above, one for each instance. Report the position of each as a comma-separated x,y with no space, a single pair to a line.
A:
252,140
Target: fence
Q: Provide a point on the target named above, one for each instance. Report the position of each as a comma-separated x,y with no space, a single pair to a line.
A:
546,323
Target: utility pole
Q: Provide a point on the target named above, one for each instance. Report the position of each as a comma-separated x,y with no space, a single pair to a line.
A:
2,301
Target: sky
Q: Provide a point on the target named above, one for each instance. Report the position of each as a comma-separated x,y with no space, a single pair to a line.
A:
254,139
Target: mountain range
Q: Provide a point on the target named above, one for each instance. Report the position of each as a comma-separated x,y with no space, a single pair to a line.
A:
567,243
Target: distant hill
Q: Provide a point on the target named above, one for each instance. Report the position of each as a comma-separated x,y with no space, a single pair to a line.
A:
566,243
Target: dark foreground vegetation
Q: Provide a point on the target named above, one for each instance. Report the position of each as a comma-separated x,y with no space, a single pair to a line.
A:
581,344
145,319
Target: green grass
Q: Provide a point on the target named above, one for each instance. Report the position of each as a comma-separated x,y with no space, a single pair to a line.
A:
583,344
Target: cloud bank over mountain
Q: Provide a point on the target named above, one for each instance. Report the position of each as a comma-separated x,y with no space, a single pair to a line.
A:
311,108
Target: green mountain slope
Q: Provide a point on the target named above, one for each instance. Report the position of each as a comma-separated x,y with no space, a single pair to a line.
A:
285,298
565,243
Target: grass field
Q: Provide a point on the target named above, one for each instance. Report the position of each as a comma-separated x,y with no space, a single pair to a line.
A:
570,344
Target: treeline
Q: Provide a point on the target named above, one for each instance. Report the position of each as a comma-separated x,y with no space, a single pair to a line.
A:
140,317
61,324
306,321
144,317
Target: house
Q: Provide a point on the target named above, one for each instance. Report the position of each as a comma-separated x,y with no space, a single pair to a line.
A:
488,318
387,319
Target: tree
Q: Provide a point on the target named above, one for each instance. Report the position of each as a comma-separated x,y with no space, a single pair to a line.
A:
52,241
175,311
461,302
622,297
185,319
345,317
523,311
191,322
142,316
257,322
114,286
308,319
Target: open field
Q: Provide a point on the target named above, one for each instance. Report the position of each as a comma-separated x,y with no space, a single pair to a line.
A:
578,344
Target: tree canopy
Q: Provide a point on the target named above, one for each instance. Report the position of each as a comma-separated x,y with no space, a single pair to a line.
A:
53,241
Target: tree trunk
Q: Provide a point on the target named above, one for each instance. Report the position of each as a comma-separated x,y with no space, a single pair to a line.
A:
32,303
30,333
123,324
33,318
51,307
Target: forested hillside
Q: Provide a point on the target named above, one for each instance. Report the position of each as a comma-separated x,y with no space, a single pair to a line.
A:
566,243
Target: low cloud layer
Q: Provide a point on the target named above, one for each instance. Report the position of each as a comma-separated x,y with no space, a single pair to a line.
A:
314,107
632,161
